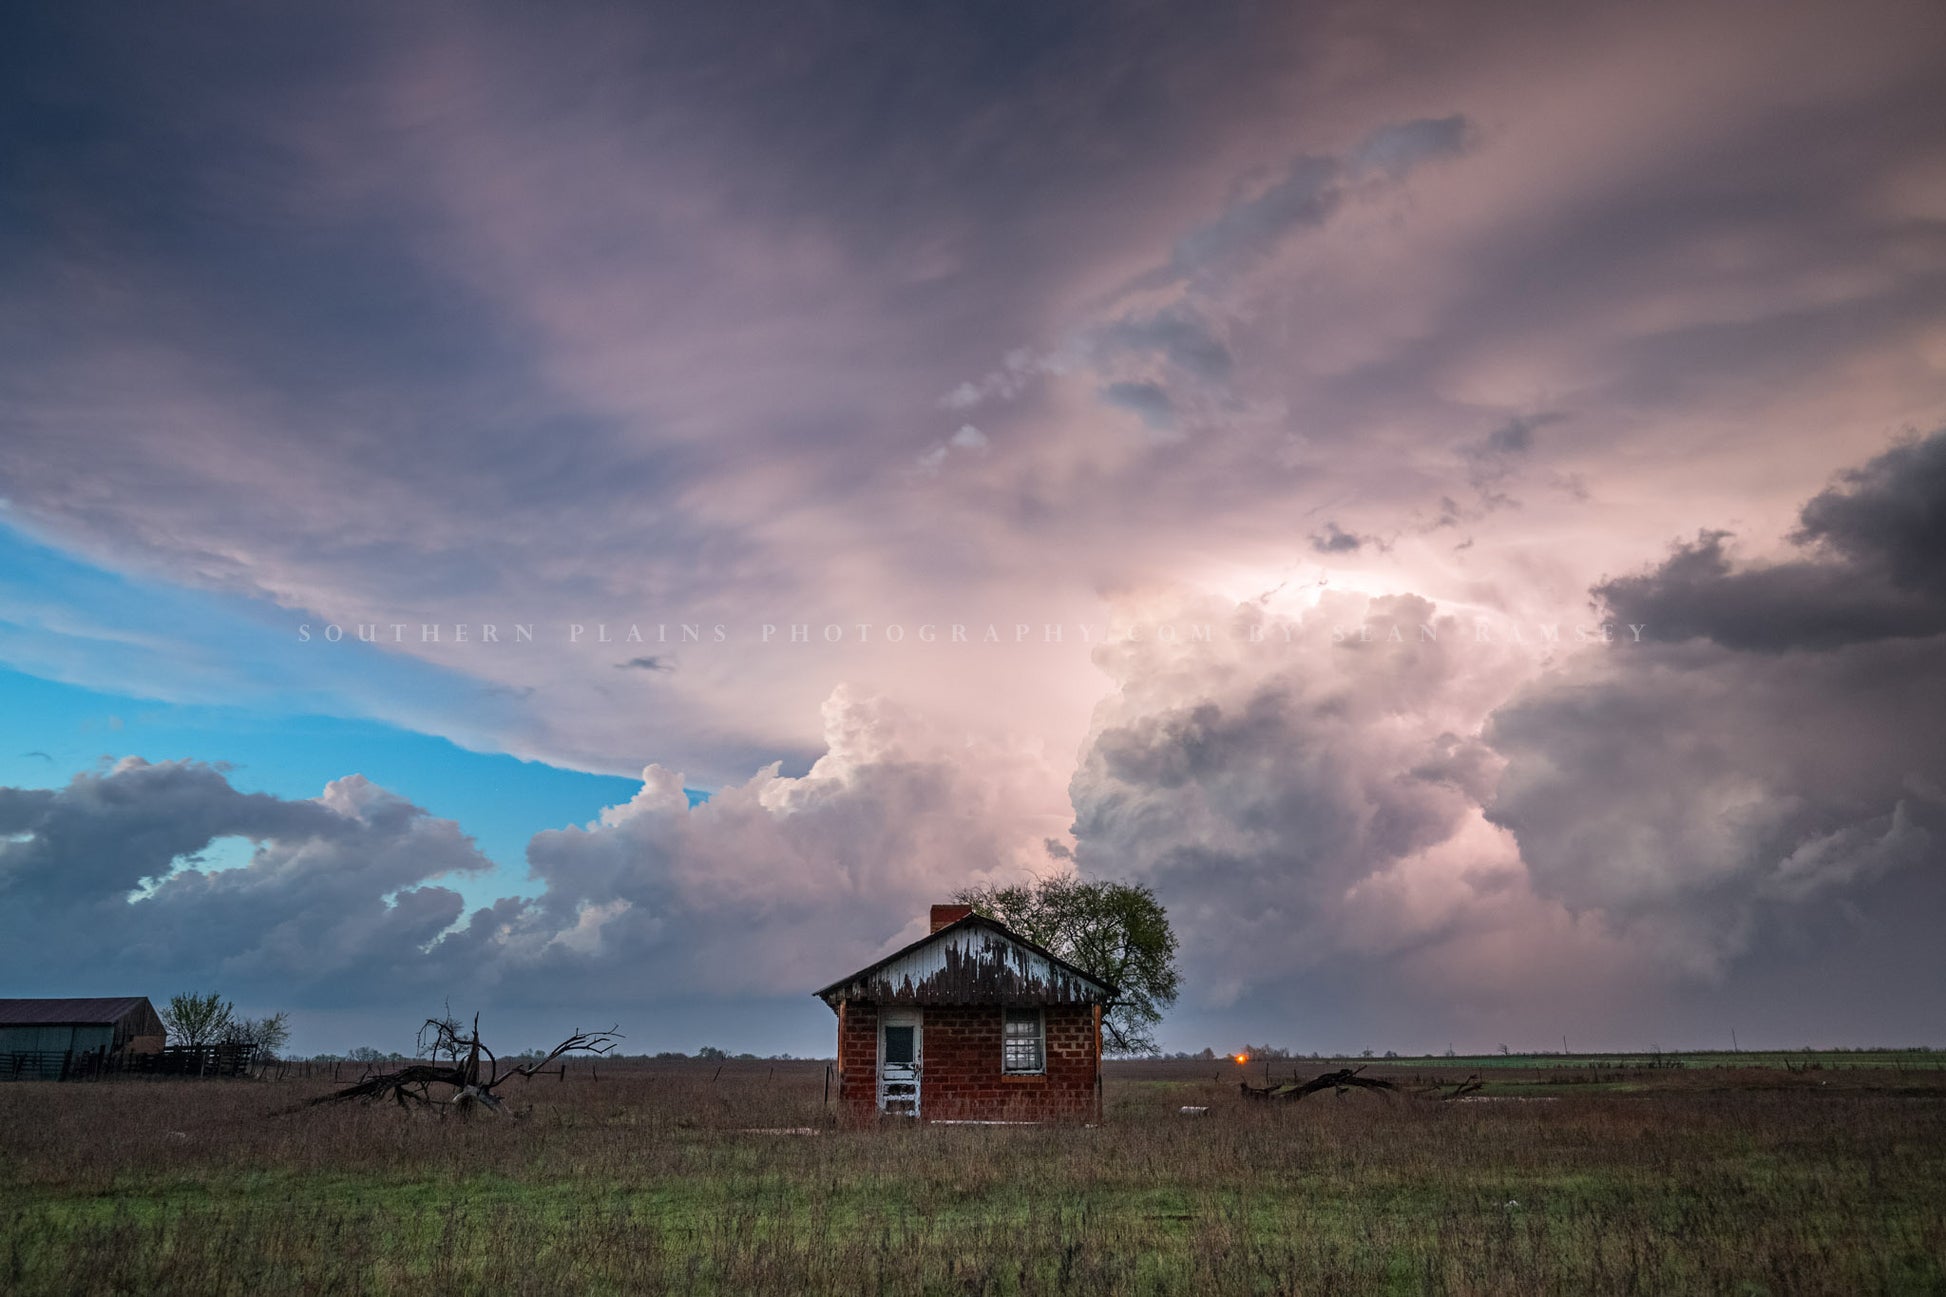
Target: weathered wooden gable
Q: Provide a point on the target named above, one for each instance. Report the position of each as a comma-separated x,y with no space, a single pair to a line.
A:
972,962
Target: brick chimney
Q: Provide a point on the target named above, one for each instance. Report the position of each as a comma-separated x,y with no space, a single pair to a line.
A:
945,915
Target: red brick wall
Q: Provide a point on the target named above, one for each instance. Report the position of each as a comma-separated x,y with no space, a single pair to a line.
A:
858,1060
962,1078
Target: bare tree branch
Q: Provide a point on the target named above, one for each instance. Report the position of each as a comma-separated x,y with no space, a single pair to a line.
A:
1342,1080
460,1087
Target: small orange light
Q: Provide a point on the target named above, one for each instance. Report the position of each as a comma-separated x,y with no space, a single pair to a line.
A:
1242,1059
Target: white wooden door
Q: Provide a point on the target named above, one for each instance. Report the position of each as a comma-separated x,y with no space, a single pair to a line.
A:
901,1061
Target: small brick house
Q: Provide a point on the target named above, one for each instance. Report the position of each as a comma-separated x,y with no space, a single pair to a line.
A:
972,1022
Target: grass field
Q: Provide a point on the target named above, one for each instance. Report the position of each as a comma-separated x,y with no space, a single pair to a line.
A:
1571,1176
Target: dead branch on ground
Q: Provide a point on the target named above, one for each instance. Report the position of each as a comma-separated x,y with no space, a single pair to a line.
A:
469,1074
1342,1080
1466,1087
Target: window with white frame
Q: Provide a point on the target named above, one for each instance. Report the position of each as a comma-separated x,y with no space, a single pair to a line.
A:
1024,1042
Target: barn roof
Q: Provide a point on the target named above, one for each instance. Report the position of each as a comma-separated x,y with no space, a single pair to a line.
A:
70,1012
975,960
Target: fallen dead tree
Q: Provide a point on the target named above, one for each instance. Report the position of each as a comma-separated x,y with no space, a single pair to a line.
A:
1342,1080
1466,1087
468,1075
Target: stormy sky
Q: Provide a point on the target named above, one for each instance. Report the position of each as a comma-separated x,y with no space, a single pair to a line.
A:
603,513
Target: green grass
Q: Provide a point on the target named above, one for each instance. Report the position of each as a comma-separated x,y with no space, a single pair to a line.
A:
644,1181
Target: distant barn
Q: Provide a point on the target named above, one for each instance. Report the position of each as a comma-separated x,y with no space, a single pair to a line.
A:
972,1022
50,1038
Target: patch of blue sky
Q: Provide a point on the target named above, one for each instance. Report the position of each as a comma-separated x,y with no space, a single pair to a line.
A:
221,853
501,800
95,666
63,618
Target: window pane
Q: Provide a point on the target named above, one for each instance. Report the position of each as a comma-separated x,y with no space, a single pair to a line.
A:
898,1044
1021,1046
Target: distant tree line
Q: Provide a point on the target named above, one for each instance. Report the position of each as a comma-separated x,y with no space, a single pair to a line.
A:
708,1053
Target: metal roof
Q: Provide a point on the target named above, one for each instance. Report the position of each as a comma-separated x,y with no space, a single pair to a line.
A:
70,1012
975,960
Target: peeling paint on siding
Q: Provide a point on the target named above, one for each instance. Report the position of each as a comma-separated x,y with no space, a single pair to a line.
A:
968,965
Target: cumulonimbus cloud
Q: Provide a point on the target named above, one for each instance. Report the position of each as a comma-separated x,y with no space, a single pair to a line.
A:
339,892
1775,745
760,890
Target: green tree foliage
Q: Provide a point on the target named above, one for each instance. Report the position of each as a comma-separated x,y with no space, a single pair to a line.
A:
197,1019
1115,931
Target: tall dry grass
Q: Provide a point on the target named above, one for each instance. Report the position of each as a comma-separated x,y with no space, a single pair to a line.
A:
650,1179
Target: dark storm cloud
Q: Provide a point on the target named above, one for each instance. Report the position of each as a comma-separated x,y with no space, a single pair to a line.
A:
1697,593
1775,745
110,833
269,310
1872,569
1700,817
1695,795
1303,814
374,311
892,125
645,664
1705,280
396,317
338,893
394,313
1888,517
1292,823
